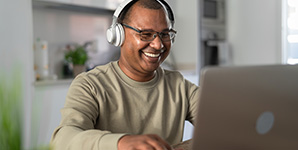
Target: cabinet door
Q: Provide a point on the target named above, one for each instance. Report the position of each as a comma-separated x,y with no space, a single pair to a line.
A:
46,116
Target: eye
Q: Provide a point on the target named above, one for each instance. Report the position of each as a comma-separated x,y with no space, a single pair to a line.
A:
147,35
164,34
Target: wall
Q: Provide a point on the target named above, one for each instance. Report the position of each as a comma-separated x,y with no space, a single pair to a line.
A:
254,31
16,51
186,46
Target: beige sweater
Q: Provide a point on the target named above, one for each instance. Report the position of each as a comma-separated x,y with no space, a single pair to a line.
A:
104,104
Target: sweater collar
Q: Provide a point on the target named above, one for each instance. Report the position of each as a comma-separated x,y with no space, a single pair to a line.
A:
133,83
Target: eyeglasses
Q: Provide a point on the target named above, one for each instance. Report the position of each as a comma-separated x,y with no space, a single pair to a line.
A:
149,35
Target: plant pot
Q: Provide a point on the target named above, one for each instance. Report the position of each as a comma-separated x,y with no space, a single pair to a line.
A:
77,69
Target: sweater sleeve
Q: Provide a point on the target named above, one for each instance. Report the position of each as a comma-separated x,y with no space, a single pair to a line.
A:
193,99
76,130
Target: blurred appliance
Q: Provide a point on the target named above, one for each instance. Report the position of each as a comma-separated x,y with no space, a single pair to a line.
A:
212,11
214,48
216,53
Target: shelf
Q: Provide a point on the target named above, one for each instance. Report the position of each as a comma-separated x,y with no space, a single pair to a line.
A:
53,82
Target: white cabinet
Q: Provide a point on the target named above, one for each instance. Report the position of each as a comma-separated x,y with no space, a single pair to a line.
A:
102,4
48,100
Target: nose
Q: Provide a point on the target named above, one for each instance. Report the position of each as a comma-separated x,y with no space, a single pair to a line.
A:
157,43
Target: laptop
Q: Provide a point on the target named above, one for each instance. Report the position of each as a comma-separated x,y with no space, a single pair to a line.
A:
247,108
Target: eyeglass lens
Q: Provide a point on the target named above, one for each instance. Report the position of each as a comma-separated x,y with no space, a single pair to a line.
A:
165,36
151,35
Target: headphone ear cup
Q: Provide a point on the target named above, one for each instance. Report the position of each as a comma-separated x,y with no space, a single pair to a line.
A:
111,35
119,35
115,35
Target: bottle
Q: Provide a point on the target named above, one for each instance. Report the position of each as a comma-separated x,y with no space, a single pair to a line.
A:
41,62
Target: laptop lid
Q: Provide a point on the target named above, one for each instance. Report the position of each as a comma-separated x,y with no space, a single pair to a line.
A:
248,107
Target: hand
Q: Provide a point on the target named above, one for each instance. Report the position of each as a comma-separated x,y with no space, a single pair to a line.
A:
143,142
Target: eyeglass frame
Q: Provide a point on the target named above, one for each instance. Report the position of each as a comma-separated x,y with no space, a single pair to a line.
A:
154,35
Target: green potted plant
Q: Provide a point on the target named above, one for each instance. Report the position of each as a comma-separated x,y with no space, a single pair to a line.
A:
78,57
10,113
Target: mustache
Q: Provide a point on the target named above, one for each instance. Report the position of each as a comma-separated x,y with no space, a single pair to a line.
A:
149,49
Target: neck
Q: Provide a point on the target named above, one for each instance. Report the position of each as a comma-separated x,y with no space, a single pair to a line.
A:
135,75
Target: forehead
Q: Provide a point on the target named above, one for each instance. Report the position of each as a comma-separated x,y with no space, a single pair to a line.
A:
149,18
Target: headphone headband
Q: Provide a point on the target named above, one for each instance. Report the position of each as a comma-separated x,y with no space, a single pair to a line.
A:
169,11
121,7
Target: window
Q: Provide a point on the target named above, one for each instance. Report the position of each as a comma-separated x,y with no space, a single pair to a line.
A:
290,31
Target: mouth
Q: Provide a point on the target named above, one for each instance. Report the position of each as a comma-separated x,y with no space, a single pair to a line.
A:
153,55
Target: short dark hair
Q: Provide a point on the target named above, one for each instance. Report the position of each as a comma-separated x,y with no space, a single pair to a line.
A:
149,4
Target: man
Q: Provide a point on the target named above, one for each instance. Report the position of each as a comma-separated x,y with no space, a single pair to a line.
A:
131,103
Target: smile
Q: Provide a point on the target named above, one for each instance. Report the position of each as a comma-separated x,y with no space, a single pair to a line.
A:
152,55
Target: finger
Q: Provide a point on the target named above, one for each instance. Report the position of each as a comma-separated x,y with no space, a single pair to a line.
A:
157,145
160,143
167,146
145,146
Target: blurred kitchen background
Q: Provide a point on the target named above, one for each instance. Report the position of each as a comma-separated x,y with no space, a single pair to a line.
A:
210,33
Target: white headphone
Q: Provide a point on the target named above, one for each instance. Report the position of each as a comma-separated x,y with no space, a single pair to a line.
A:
115,34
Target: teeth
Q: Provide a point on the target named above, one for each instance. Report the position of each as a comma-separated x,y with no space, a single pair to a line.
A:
151,55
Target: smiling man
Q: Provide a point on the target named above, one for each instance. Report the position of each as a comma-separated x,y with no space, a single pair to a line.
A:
131,103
